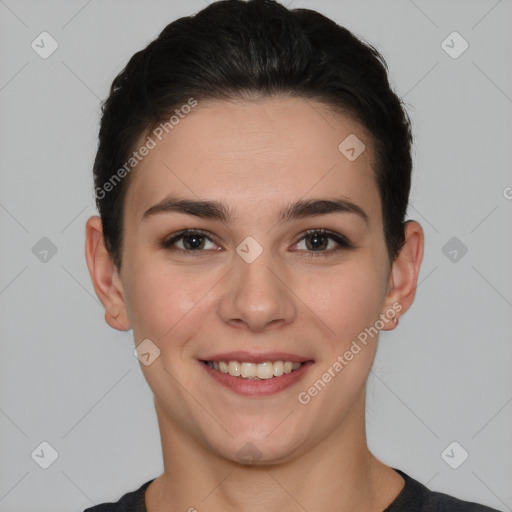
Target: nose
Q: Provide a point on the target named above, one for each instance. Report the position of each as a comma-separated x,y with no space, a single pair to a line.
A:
258,296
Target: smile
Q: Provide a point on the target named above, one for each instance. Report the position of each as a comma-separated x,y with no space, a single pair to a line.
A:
261,371
259,378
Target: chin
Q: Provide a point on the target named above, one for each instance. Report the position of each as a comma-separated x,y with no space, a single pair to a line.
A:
259,448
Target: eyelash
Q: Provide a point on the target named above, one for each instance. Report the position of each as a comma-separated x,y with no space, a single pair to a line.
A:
341,240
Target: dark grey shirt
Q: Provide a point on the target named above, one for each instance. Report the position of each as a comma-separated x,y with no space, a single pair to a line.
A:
414,497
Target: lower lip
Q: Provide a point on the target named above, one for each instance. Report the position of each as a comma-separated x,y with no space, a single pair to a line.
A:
254,387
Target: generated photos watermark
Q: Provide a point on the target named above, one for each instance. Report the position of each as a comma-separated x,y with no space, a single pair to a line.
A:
304,397
150,143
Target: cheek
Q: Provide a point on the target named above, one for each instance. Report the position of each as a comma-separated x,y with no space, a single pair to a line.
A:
347,298
162,299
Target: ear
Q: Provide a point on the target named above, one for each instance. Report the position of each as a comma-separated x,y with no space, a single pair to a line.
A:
404,273
105,277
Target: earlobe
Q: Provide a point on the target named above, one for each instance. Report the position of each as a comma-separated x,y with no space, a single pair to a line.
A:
403,279
104,276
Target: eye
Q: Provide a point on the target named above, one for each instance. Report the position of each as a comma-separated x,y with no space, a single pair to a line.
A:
317,242
188,240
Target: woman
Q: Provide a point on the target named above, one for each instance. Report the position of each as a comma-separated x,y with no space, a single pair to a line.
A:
252,179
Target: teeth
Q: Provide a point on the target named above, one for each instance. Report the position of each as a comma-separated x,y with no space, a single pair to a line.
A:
266,370
248,370
278,368
234,368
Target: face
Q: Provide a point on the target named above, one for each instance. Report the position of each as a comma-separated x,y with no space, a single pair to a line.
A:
266,282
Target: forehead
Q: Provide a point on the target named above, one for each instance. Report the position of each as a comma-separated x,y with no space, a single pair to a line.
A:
256,155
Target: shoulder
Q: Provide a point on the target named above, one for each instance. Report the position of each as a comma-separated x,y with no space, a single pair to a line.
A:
132,501
441,502
416,497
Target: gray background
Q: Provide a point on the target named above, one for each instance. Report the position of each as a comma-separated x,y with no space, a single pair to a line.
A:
72,381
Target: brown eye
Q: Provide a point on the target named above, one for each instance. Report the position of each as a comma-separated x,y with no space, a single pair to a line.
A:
191,241
320,242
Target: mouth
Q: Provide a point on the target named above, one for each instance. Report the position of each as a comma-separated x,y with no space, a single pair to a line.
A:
256,375
254,371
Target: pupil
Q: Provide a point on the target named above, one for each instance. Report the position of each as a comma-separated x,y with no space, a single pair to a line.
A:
315,239
195,244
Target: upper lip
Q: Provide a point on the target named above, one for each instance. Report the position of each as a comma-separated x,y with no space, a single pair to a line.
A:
252,357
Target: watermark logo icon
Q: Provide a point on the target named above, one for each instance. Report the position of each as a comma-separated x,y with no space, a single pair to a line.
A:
249,249
44,45
454,45
44,249
454,249
44,455
454,455
351,147
146,352
249,454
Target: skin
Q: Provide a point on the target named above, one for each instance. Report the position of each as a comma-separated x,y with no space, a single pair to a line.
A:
258,157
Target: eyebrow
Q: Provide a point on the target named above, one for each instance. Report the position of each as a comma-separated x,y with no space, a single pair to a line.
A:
219,211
